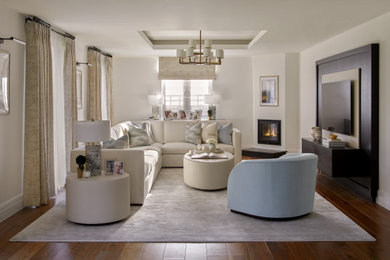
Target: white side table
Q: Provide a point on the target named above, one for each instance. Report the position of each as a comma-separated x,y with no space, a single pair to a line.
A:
207,174
98,199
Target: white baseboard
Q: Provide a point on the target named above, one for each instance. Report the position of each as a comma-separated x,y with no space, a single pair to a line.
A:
10,207
383,199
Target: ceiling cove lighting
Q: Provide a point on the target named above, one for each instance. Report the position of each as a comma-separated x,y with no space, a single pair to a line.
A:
192,55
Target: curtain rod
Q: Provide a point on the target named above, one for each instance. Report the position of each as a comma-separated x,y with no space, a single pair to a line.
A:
53,28
100,51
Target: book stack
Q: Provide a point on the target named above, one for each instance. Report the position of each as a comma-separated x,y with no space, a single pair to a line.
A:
328,143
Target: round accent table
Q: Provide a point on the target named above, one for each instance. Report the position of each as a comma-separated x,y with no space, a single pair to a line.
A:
98,199
207,174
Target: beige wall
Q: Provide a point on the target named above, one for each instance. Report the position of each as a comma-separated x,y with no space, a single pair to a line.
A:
374,31
11,126
135,78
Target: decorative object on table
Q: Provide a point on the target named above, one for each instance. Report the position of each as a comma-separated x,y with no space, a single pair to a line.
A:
4,82
79,88
167,115
269,91
110,167
80,160
86,174
335,143
209,131
210,113
91,132
198,114
118,167
155,101
213,100
211,142
174,115
182,115
200,56
332,137
316,133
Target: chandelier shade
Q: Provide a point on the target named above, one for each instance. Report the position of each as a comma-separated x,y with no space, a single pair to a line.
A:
200,56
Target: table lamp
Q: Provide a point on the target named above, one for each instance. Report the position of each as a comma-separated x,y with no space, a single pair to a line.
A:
92,133
213,100
156,101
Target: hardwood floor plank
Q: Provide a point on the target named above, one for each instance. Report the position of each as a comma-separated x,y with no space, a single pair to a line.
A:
196,251
153,251
281,251
217,249
301,250
132,251
259,250
27,251
175,251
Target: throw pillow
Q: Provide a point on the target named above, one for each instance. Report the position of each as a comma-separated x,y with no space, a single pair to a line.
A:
209,132
120,143
225,133
139,135
193,133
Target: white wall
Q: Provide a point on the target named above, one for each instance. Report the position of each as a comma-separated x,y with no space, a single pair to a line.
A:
374,31
286,66
11,126
82,56
135,78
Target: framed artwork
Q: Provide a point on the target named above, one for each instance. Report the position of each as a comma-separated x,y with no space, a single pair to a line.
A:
109,167
79,87
4,82
118,167
93,159
269,91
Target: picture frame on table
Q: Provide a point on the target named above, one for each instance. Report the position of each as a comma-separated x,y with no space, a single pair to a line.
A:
118,167
4,82
93,159
110,167
269,91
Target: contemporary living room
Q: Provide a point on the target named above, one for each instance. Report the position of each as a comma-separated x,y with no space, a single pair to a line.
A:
203,130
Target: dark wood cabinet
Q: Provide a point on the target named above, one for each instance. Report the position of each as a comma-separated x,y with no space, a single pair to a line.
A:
337,162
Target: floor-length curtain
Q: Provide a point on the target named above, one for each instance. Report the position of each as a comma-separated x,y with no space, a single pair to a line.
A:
103,88
70,96
110,110
94,78
38,181
59,158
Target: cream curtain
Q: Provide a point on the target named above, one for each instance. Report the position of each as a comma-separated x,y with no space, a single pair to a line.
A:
110,110
38,178
94,78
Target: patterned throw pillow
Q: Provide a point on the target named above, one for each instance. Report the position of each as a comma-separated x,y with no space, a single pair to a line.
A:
139,134
120,143
209,131
225,133
193,133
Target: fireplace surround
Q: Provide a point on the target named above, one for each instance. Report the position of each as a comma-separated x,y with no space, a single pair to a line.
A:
269,131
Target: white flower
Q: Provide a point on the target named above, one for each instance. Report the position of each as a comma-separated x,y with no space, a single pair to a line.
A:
211,141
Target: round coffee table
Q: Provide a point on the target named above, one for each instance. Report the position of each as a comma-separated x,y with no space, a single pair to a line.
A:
98,199
207,174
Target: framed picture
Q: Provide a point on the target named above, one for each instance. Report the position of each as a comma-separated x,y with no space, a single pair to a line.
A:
118,167
93,159
79,87
269,91
109,167
4,82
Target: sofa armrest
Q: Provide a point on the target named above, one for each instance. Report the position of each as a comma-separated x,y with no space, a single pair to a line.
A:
237,147
133,164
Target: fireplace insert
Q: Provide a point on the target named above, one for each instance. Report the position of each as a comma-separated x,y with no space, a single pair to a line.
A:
268,132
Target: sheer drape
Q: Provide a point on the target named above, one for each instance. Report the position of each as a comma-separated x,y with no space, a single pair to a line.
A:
94,78
104,88
38,181
110,110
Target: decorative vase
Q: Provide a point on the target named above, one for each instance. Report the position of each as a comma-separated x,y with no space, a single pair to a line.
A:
316,133
79,173
211,147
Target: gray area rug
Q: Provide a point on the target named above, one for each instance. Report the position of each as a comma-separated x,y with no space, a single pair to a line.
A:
174,212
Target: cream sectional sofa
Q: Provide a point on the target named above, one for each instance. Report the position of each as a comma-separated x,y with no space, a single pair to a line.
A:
143,163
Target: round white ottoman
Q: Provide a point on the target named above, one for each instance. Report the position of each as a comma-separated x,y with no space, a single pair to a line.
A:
98,199
207,174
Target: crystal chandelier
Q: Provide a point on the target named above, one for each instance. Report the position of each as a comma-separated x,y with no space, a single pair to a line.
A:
200,57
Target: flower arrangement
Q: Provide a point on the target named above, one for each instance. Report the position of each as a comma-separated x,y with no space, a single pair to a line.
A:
211,141
80,160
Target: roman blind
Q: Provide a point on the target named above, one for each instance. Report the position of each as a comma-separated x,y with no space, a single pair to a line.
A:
170,68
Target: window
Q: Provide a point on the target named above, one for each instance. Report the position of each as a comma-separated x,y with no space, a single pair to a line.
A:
188,95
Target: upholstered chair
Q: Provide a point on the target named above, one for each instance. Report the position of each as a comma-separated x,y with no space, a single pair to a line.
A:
274,188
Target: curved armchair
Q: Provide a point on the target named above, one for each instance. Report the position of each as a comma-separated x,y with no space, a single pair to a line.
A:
274,188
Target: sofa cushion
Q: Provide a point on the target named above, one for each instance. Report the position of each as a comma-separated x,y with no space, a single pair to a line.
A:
120,143
193,133
174,131
209,131
225,133
226,147
156,147
157,127
177,148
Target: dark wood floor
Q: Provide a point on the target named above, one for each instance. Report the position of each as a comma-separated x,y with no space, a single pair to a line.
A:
370,216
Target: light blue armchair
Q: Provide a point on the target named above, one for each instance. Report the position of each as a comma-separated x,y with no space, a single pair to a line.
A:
274,188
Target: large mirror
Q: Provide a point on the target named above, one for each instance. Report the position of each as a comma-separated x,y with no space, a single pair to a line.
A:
4,82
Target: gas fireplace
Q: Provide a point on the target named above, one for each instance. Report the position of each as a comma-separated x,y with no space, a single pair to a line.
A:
268,132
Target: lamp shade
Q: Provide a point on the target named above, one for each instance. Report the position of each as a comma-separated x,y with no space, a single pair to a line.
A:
155,99
208,44
180,53
212,99
92,131
219,53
